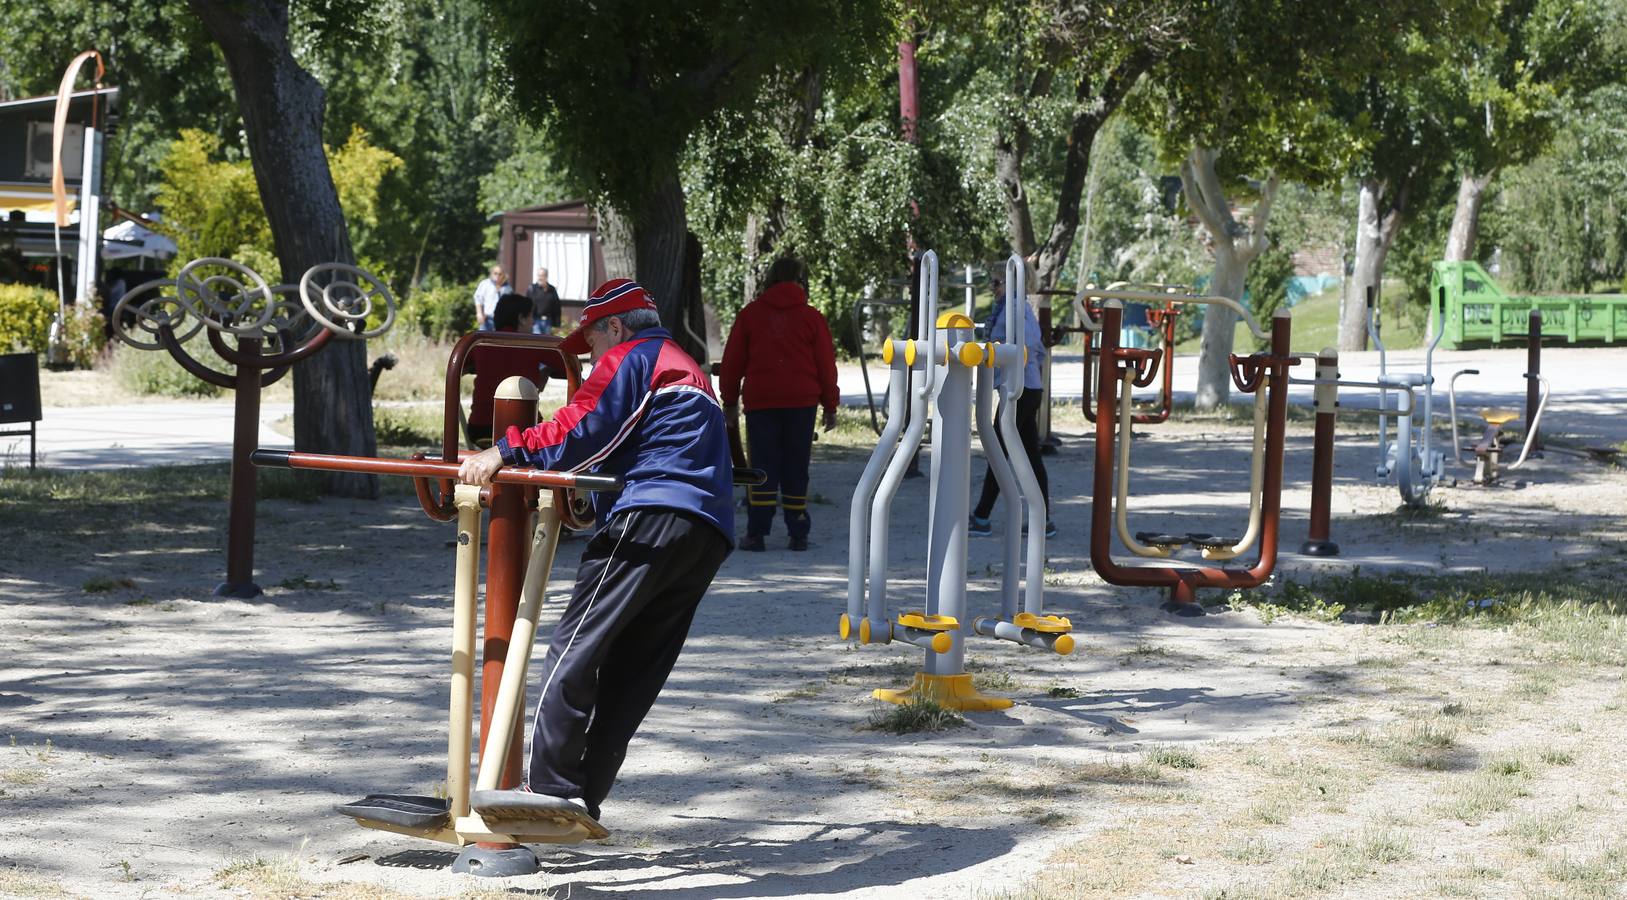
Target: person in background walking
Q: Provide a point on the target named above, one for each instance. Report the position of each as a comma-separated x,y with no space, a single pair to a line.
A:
545,310
1027,407
487,293
781,348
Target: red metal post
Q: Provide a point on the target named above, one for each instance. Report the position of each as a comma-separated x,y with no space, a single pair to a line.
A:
1533,367
1327,411
907,110
508,544
240,505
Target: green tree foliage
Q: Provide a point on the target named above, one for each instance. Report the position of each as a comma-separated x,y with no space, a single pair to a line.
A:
624,87
213,205
1560,221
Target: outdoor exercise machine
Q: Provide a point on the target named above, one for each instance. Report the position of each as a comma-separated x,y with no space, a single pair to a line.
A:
942,357
518,563
274,328
1161,316
1410,459
1327,385
1121,369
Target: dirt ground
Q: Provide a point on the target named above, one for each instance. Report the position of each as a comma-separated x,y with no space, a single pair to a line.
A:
156,741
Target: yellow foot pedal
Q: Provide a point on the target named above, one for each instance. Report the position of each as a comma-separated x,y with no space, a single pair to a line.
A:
948,691
928,623
937,626
1046,624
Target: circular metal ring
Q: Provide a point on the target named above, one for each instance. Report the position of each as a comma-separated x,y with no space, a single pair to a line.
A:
149,314
209,293
344,303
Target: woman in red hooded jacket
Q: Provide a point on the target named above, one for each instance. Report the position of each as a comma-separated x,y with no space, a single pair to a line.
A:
781,348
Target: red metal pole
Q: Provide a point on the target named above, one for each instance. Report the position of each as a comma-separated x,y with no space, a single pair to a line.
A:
240,506
508,544
907,83
1327,410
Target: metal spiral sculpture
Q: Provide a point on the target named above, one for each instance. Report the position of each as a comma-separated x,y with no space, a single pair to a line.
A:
274,327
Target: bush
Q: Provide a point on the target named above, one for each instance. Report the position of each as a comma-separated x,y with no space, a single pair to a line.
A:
85,335
440,313
156,373
25,317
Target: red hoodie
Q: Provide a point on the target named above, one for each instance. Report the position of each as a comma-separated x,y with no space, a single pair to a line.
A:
781,346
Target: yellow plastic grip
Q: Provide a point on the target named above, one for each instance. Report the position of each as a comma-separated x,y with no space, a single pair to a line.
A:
887,353
941,642
971,355
845,627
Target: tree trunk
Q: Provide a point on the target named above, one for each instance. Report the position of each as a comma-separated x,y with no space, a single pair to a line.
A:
1378,220
1466,216
661,243
1235,247
1094,102
1219,328
282,109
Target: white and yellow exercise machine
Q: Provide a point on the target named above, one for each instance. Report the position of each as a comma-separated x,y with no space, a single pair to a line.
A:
942,357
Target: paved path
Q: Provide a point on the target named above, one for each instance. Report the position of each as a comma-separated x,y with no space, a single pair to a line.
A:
1589,401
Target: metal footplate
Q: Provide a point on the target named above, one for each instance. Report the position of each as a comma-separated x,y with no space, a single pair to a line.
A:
518,812
1214,547
399,810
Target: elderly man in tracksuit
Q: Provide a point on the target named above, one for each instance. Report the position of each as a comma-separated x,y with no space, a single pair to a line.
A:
646,413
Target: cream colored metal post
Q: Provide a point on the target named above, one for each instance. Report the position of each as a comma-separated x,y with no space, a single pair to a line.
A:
464,586
511,692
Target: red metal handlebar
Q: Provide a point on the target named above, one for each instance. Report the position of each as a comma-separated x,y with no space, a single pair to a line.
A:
426,468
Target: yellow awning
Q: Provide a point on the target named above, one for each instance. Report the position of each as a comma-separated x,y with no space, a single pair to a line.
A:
31,198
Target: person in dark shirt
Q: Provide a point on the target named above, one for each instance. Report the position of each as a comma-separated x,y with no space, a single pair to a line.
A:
492,365
545,310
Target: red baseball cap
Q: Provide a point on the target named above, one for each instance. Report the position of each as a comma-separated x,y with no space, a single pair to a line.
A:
618,295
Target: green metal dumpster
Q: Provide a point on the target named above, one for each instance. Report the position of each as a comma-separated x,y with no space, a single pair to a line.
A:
1478,312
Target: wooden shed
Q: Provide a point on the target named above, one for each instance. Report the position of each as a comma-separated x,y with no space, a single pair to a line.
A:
563,238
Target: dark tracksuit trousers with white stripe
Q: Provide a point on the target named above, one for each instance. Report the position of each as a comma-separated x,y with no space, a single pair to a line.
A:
641,578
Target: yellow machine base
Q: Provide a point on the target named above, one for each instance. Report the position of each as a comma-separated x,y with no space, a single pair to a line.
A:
948,691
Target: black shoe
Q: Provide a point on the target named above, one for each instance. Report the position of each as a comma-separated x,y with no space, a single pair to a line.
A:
799,543
753,544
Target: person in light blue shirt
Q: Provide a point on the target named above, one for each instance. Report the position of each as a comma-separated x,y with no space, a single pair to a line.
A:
1027,409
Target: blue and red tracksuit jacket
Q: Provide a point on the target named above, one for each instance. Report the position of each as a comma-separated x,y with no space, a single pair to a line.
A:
646,413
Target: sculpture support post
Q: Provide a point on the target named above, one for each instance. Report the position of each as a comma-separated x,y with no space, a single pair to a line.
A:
1320,541
240,503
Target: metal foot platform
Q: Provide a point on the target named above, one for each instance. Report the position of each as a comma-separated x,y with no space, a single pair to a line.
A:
401,810
508,808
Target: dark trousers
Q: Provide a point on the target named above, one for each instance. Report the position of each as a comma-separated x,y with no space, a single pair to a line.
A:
636,591
1028,430
780,442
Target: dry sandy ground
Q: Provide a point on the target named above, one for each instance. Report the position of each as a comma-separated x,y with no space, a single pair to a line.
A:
155,741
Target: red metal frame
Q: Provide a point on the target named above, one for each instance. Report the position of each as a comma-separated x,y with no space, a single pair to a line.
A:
1162,318
1248,373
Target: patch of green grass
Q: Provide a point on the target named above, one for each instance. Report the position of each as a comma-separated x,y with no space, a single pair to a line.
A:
1173,757
1063,693
916,716
1251,851
1600,875
1534,831
17,882
1554,756
1491,790
1141,772
998,681
409,426
1376,845
103,585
